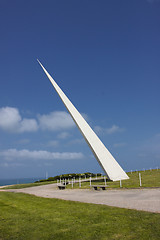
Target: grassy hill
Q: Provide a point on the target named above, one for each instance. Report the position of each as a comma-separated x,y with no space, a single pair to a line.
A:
24,216
149,178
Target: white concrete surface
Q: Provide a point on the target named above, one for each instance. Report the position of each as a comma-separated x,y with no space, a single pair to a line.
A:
110,166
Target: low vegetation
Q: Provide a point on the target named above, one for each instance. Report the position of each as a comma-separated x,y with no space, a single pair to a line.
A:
28,217
70,176
149,178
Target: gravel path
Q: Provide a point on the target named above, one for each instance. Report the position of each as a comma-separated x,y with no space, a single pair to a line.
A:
140,199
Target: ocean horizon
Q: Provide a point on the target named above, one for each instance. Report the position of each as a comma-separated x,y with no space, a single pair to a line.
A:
4,182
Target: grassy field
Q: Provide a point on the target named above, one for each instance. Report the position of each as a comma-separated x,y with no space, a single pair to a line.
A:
28,217
149,178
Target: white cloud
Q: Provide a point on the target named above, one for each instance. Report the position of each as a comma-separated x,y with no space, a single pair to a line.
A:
53,143
14,154
23,141
76,141
11,120
111,130
11,164
119,144
55,121
28,125
63,135
98,129
114,129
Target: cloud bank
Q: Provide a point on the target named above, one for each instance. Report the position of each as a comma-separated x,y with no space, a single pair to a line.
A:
55,121
11,120
14,154
111,130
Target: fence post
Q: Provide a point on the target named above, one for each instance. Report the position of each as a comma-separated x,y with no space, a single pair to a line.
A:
90,181
140,182
104,180
79,182
120,182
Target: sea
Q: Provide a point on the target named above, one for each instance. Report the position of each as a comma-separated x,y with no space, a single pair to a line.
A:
4,182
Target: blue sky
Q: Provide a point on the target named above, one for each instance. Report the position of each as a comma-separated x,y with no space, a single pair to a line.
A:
105,57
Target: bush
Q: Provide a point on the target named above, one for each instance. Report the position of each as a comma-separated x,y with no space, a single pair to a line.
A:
70,176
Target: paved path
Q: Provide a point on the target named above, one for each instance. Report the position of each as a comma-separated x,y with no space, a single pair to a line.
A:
140,199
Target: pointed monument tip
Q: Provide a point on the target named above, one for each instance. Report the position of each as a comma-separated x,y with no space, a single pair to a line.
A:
39,63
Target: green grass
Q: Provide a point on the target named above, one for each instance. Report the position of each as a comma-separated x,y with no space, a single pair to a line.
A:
149,179
28,217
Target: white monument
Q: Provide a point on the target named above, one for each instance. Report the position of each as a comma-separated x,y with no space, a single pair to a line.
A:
110,166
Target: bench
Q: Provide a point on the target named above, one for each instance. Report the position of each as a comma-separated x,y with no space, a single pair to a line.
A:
61,187
103,187
64,183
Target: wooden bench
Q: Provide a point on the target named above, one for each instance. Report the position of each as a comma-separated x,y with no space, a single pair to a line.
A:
61,187
103,187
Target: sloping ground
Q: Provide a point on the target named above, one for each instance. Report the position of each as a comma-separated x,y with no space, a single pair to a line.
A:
140,199
25,216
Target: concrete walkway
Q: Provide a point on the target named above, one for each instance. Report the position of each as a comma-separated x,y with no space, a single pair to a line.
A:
140,199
